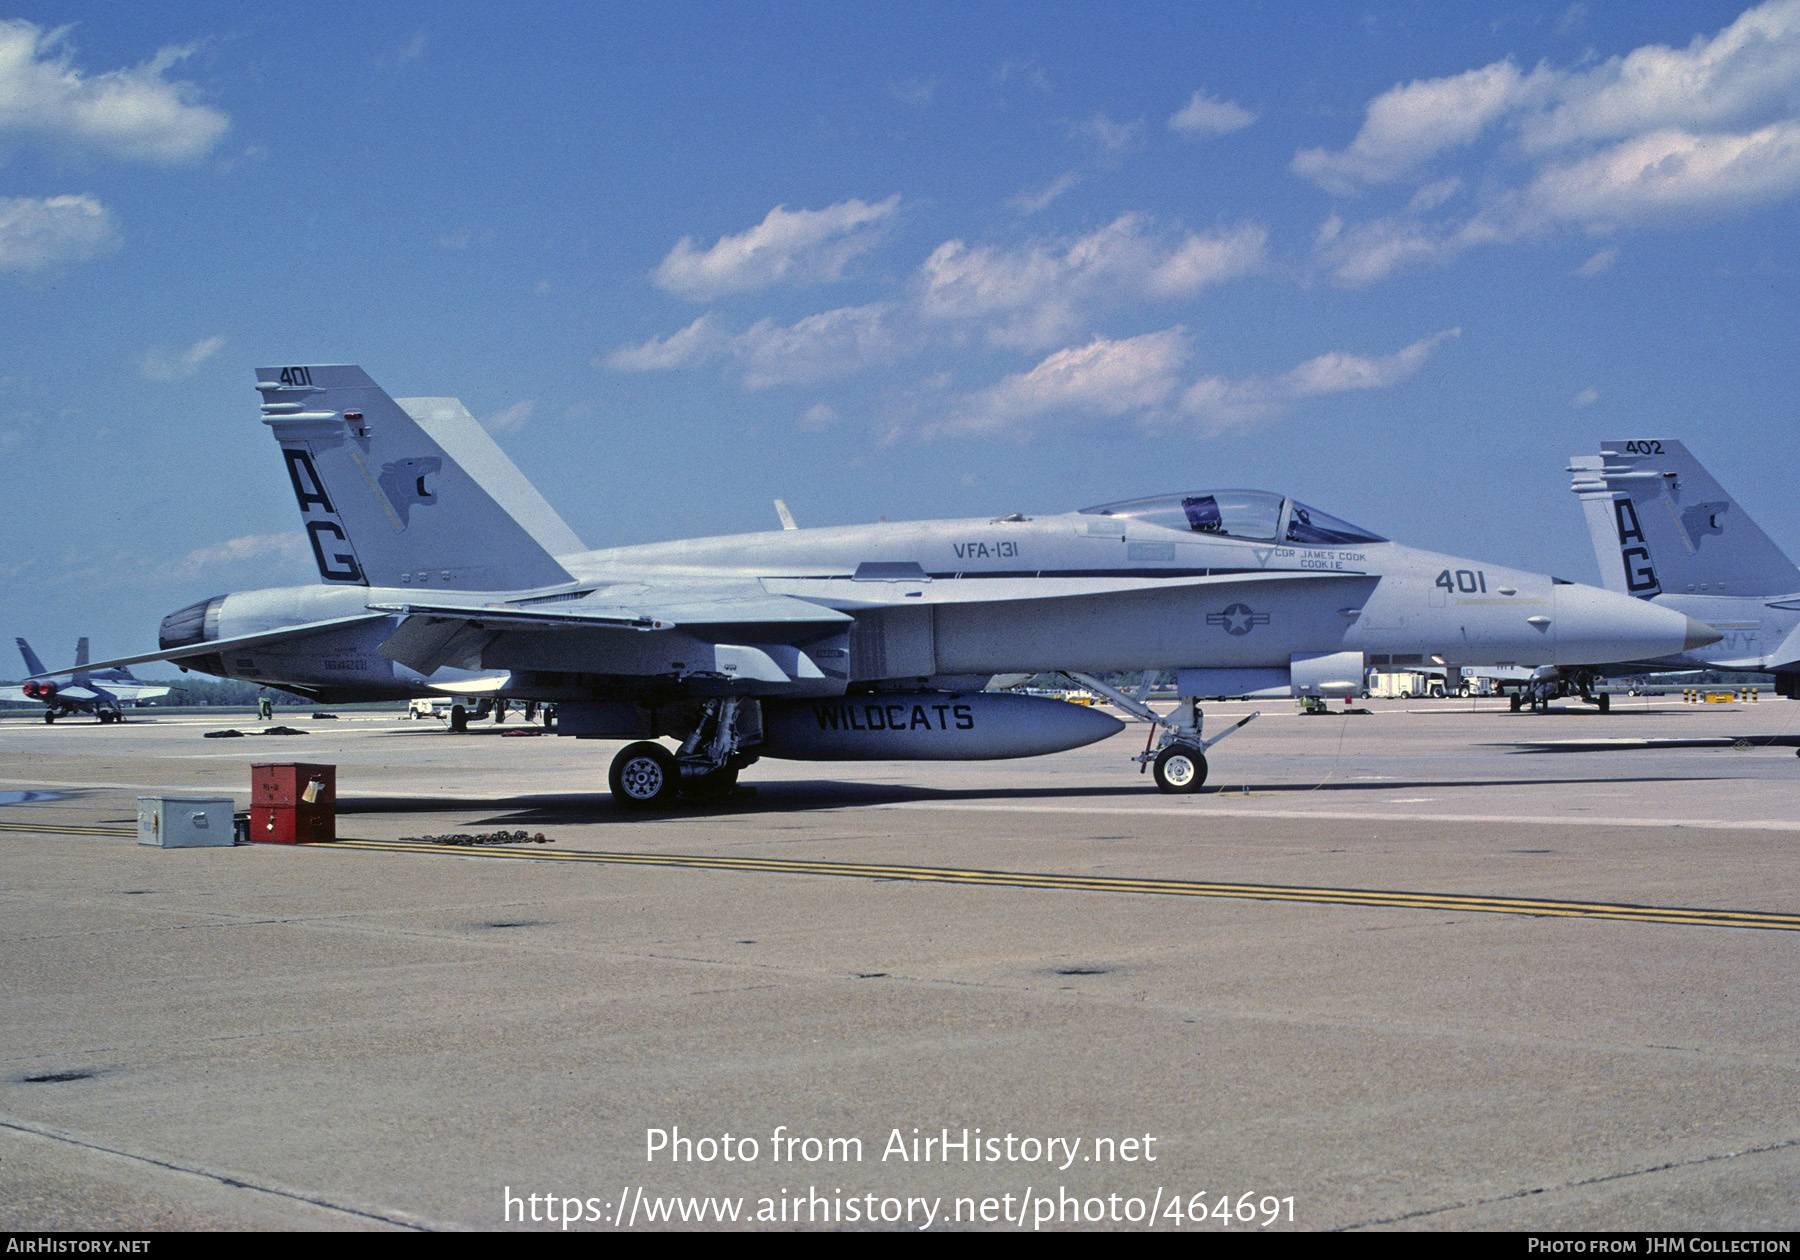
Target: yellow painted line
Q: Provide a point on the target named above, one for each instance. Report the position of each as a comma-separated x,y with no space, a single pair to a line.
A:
59,829
1390,898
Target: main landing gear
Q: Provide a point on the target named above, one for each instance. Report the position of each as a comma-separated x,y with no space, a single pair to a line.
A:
1178,760
646,775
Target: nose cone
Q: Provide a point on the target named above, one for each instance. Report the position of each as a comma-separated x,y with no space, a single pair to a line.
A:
1591,626
1699,635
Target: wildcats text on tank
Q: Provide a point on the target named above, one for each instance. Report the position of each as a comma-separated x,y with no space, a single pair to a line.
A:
930,726
891,717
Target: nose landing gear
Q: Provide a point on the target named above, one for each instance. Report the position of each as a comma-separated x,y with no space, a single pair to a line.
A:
1179,768
1178,761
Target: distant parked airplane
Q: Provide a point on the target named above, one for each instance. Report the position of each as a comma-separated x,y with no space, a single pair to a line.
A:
102,692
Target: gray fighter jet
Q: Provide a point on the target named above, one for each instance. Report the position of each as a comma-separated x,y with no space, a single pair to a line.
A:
1664,531
866,642
97,690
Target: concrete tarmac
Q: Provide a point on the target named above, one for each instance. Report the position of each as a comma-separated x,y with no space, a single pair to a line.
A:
1436,966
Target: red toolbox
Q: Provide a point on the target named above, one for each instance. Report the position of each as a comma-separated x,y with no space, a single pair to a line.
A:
293,803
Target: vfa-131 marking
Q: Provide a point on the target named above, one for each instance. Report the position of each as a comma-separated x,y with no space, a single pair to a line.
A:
446,570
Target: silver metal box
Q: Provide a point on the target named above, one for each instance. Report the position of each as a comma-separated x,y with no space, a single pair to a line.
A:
185,822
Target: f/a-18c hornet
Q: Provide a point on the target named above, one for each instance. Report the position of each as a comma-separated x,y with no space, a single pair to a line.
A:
440,566
1665,532
102,692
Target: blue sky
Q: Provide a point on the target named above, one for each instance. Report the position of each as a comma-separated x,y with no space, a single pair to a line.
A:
1400,260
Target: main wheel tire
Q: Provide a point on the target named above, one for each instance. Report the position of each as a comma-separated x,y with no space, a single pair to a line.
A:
459,718
1179,768
1604,699
709,788
1517,702
643,776
49,715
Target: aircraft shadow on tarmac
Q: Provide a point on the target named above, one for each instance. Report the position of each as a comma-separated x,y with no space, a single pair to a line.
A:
796,795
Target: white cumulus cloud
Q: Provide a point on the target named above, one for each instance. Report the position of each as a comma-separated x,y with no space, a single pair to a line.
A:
696,343
829,344
1659,135
795,246
1038,294
1407,125
137,113
1104,378
1111,138
289,546
1035,202
1598,264
1205,116
510,419
42,232
1221,403
162,364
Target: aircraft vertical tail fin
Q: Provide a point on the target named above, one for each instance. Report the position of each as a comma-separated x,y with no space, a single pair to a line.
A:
81,660
33,665
384,503
450,425
1661,524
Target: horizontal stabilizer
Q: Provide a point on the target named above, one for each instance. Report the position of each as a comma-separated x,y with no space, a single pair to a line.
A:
665,608
211,646
486,685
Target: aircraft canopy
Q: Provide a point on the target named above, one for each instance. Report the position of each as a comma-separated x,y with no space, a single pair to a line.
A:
1251,514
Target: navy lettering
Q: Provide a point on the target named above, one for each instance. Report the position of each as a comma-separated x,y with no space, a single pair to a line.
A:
342,566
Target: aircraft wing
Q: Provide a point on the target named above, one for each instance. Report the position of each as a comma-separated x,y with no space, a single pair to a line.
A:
211,646
136,691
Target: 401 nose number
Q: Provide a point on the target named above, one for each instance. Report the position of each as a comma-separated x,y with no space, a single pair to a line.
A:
1468,581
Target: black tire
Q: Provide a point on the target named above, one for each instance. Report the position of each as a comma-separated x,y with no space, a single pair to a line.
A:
1517,702
49,715
1604,700
1179,768
643,776
709,788
459,718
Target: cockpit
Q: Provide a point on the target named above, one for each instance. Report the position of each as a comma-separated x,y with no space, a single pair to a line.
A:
1255,515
